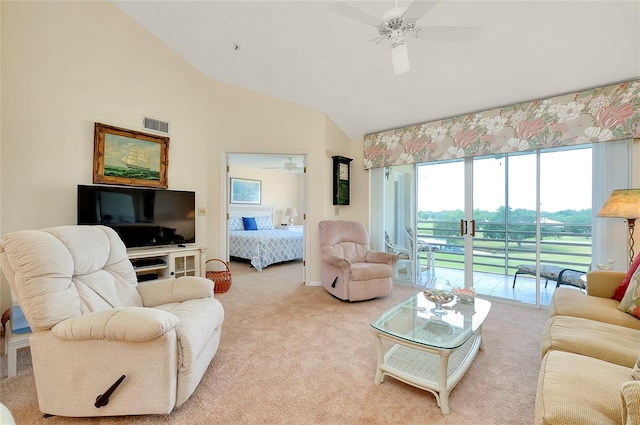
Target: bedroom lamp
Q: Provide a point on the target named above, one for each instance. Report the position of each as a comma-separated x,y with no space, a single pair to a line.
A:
623,203
291,212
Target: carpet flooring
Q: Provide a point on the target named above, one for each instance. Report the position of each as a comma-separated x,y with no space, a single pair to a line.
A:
293,354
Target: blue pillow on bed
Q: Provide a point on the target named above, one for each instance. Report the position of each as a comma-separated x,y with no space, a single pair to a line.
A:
249,223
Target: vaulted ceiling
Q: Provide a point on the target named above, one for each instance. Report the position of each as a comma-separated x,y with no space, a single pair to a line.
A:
302,52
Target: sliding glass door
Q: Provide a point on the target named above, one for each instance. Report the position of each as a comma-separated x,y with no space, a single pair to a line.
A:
488,225
474,221
441,207
462,214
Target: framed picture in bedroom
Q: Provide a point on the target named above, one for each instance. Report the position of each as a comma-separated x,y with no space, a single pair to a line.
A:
244,191
128,157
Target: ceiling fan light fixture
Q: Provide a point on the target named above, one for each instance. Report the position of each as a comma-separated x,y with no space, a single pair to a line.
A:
399,22
400,58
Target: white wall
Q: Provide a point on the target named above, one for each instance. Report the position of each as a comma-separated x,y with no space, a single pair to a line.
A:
66,65
338,144
280,190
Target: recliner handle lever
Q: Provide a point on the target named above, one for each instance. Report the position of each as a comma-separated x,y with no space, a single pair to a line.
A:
103,399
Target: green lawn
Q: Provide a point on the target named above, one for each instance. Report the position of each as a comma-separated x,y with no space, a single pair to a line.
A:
572,251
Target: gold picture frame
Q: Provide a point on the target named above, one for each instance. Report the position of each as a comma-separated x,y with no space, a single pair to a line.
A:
128,157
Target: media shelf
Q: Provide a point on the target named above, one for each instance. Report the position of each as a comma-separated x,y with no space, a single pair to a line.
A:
168,261
141,263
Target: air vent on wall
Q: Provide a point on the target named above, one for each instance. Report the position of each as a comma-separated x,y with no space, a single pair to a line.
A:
154,125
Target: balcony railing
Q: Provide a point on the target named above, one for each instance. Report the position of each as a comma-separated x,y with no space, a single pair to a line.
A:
499,248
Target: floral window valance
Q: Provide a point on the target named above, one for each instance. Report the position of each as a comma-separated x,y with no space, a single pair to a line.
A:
603,114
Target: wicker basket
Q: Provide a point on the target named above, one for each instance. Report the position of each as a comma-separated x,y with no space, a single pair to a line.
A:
221,279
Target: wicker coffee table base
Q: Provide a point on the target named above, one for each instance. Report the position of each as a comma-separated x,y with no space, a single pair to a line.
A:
432,369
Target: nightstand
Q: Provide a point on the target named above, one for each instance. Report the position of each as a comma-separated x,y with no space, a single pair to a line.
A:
294,228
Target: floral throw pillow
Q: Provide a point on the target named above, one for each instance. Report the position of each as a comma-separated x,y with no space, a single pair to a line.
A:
631,301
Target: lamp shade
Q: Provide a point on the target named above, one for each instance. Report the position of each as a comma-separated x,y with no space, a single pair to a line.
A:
291,212
622,203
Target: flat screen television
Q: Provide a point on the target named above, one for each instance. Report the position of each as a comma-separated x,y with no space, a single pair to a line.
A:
142,217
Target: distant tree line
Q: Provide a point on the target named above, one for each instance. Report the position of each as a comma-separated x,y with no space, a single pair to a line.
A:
522,223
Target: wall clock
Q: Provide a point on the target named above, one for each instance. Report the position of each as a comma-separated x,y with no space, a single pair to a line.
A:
341,180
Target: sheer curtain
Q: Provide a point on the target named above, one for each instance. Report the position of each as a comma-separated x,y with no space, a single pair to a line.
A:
611,170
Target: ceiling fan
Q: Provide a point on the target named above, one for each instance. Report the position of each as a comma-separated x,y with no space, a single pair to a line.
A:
399,22
287,166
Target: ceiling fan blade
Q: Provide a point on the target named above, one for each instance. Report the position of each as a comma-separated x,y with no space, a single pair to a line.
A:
354,13
418,9
400,58
456,34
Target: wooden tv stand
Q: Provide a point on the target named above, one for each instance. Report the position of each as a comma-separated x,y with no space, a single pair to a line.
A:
167,261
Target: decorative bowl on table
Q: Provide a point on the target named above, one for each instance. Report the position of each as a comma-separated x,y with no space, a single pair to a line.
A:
438,295
465,295
439,292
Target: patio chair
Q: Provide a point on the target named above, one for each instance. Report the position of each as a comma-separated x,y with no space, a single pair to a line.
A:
404,256
423,246
402,251
561,275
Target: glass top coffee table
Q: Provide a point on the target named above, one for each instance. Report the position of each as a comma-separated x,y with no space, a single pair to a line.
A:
429,351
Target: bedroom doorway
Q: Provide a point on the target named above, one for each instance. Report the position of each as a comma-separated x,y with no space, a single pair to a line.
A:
270,189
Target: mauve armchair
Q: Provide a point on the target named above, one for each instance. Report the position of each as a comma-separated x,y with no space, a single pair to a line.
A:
349,269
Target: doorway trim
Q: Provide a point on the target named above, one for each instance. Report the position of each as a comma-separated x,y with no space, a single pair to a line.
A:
224,190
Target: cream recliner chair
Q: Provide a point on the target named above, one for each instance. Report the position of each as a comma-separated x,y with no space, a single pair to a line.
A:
349,269
93,323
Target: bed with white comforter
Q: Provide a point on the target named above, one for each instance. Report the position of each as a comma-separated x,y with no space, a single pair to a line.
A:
266,245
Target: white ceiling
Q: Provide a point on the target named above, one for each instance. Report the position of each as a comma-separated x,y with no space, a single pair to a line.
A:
301,52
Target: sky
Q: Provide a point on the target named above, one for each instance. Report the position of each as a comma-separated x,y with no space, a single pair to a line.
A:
565,183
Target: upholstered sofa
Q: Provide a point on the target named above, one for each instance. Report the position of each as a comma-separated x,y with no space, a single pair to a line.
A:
95,328
589,348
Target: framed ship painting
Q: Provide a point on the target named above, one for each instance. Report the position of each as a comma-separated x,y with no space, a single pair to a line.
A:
130,158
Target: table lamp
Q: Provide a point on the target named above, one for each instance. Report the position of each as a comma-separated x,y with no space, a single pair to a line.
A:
291,212
623,203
